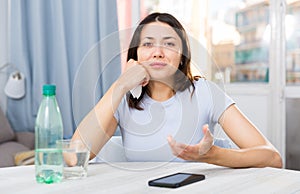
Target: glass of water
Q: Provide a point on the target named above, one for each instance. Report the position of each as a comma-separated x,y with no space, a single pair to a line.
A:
76,154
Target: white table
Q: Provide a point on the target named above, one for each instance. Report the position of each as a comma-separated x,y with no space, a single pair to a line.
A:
132,178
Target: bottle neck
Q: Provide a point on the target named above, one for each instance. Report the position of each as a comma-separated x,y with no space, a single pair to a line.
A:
49,95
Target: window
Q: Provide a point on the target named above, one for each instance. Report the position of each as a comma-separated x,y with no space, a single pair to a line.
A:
234,34
292,21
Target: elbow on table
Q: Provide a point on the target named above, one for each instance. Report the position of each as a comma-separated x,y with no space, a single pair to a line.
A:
276,160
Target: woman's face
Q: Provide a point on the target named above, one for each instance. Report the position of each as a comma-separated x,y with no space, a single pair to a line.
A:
160,49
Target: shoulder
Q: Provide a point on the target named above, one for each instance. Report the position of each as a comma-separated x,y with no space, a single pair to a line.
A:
200,81
209,90
203,84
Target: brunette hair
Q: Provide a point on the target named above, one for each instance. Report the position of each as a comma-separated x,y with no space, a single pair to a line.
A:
183,75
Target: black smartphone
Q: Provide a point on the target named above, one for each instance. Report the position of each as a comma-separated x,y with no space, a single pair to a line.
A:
176,180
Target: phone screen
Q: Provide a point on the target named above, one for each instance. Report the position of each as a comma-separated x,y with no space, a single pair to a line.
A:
176,180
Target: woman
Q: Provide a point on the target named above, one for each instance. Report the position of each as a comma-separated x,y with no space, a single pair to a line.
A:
169,119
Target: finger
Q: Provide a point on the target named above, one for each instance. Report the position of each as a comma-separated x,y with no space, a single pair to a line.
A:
175,147
174,143
208,137
129,64
147,75
146,79
146,64
205,128
184,151
171,142
206,142
140,71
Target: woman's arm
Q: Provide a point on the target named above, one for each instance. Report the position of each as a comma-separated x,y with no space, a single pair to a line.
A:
255,150
100,124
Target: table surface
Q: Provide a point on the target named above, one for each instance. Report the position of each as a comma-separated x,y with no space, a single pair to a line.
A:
132,177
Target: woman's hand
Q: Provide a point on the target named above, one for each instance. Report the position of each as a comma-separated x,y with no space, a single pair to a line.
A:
135,74
193,152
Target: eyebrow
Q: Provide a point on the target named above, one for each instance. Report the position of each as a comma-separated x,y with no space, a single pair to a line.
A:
164,38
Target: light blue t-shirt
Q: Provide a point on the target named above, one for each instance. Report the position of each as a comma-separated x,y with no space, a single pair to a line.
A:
145,132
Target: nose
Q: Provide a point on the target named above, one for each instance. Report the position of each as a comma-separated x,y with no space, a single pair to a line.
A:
158,52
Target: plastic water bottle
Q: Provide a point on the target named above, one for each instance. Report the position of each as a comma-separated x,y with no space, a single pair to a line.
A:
48,129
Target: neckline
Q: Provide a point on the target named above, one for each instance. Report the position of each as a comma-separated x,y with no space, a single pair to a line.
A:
164,103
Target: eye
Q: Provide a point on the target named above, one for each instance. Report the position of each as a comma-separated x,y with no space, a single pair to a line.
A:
147,44
169,44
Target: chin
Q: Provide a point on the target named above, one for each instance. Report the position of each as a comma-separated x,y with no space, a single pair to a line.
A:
166,79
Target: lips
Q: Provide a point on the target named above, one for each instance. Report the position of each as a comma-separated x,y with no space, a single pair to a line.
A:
158,64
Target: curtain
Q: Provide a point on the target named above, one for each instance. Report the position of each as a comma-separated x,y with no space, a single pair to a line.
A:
63,42
3,51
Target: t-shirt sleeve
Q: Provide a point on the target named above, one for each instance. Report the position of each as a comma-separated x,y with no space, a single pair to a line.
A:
220,101
116,115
